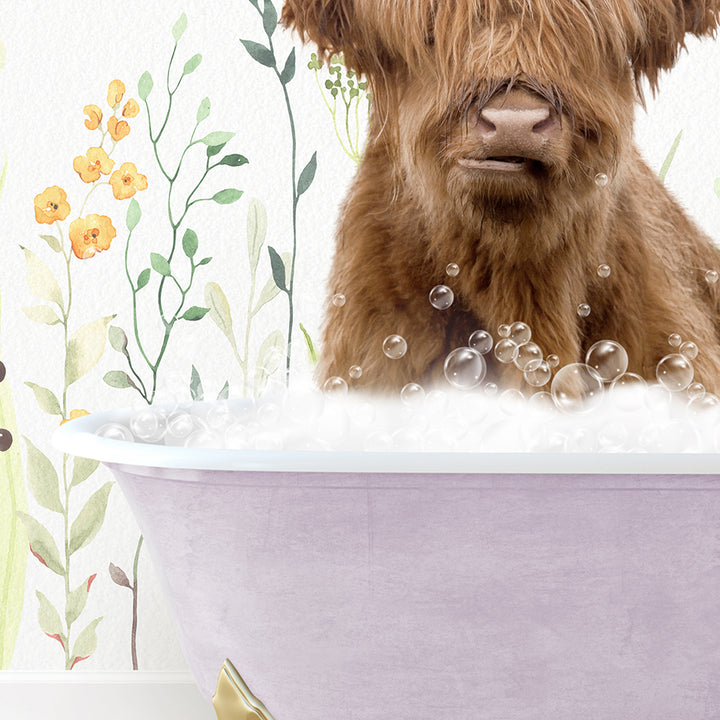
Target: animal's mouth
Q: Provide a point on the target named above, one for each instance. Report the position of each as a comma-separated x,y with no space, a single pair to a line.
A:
501,163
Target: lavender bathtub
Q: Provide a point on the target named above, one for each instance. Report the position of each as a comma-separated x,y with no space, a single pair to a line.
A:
368,586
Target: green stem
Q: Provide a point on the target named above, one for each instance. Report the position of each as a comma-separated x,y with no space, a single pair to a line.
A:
66,514
244,361
133,632
135,291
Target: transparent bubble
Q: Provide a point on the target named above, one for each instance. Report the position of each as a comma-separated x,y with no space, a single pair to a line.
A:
394,346
537,373
702,403
608,358
711,277
301,406
335,386
147,425
674,372
407,439
506,350
695,390
601,179
441,297
657,397
481,341
267,441
541,401
237,437
613,435
576,388
582,440
520,333
504,330
378,441
268,414
436,402
363,415
412,395
511,401
527,354
338,300
179,425
674,339
689,350
115,431
628,391
203,438
452,269
583,310
464,368
355,372
603,270
219,416
490,389
553,360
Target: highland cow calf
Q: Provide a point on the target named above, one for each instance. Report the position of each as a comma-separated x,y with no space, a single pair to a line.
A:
501,140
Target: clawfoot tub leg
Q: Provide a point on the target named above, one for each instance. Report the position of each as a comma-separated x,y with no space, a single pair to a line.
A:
233,699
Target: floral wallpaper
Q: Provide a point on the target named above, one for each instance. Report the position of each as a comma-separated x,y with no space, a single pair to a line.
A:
170,176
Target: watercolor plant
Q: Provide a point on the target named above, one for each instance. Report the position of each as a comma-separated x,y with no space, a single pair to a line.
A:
347,95
266,56
172,291
86,237
669,158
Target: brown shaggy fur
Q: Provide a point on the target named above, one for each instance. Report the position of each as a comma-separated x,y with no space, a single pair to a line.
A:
528,244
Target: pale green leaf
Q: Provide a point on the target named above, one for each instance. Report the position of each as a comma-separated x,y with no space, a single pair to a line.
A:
271,290
43,314
179,27
41,543
40,280
83,468
669,158
256,231
220,313
192,64
86,643
145,85
270,356
77,600
42,479
90,519
118,379
53,243
204,110
48,617
218,138
133,215
46,399
85,348
227,196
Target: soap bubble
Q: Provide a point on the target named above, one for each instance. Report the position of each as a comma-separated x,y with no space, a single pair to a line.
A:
436,402
628,391
582,440
506,350
355,372
674,372
512,401
394,346
237,437
711,277
147,425
576,388
441,297
378,441
601,179
657,397
335,386
464,368
542,402
179,426
689,350
504,330
203,438
490,389
219,416
115,431
695,390
527,353
268,414
481,341
603,270
452,269
520,333
267,441
608,358
553,360
537,373
338,300
412,394
301,406
613,435
702,403
674,339
583,310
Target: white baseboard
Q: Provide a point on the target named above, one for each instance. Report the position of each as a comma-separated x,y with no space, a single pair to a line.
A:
101,696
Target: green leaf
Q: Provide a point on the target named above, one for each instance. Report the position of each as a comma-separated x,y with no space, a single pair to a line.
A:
312,354
48,617
270,355
256,231
42,479
118,379
215,149
192,64
204,261
717,187
217,138
133,215
41,543
203,110
118,339
220,313
224,394
190,243
45,399
195,313
196,388
83,468
143,279
234,160
668,160
43,314
145,85
271,290
118,576
76,601
307,175
85,348
278,268
227,196
259,53
86,643
270,18
160,264
53,242
288,72
90,519
179,27
40,280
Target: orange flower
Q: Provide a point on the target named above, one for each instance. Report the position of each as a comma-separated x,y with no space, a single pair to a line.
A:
91,234
118,129
94,114
116,90
131,109
126,181
51,205
75,414
90,166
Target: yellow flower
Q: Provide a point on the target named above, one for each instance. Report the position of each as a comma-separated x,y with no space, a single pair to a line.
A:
51,205
116,90
75,414
131,109
118,129
91,234
126,181
94,114
90,166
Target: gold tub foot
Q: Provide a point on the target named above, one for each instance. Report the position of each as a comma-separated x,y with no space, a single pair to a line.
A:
233,700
